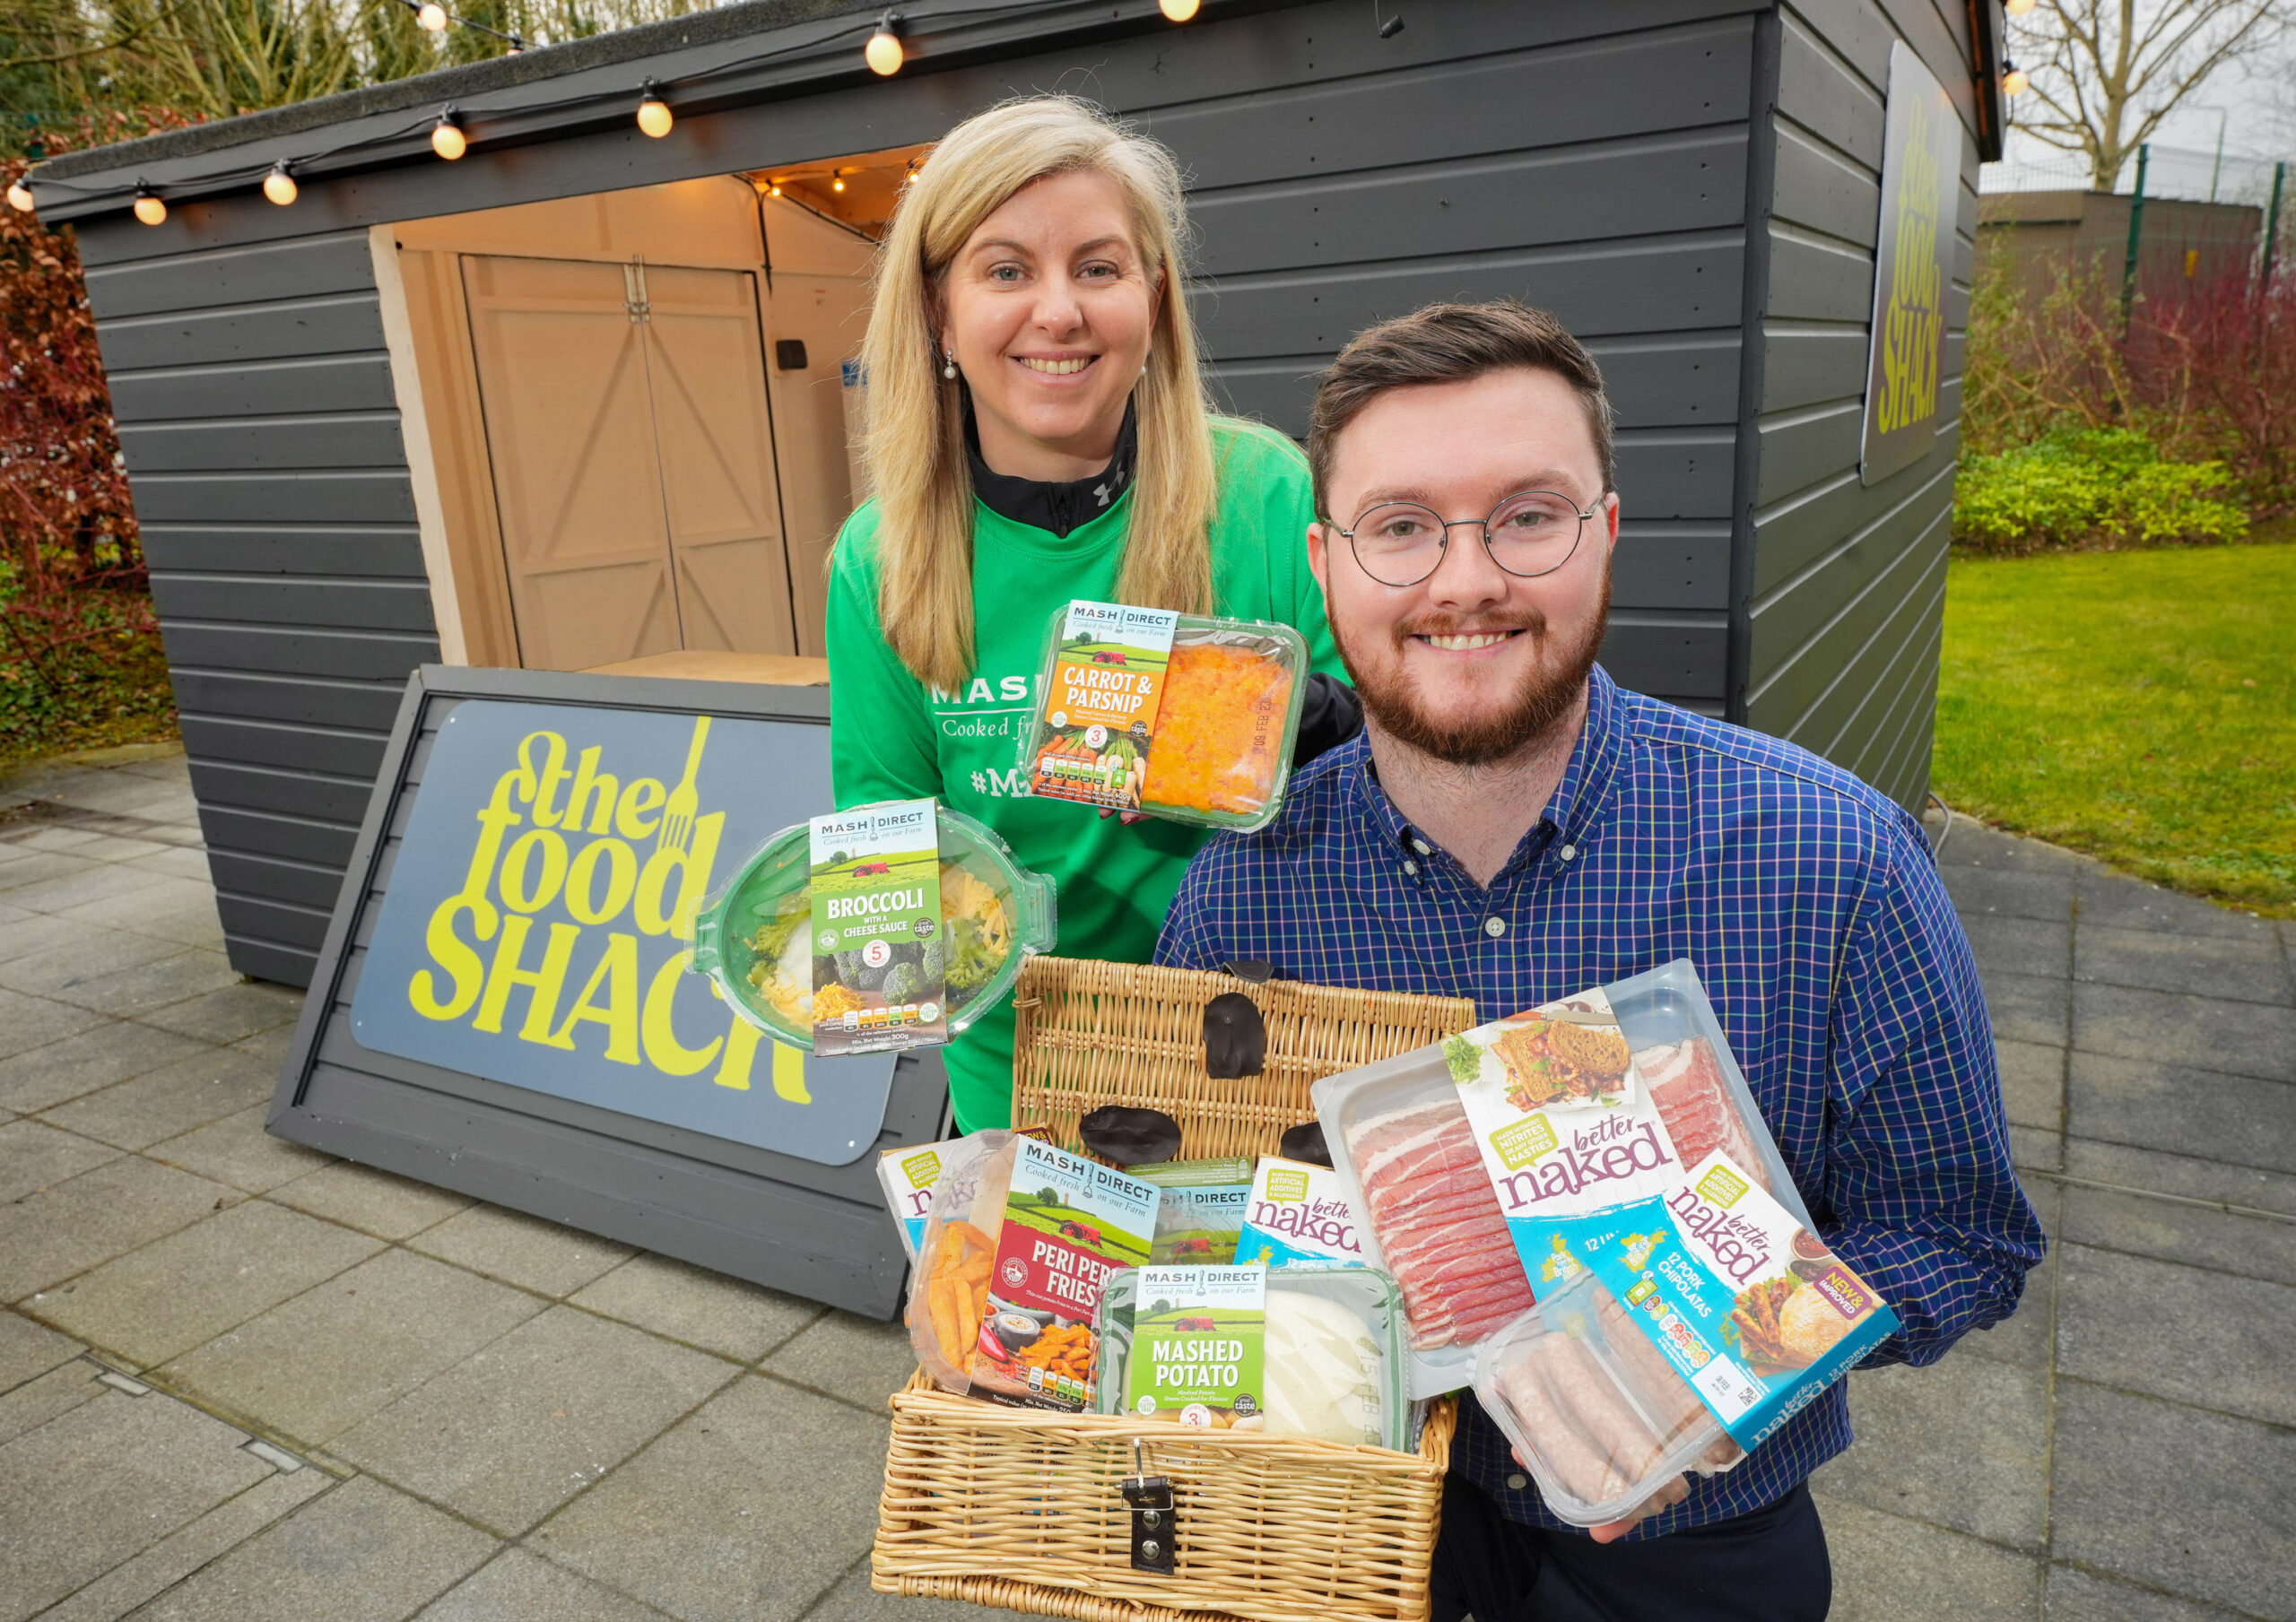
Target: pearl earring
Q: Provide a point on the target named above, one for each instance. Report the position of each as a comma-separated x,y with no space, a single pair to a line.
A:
949,363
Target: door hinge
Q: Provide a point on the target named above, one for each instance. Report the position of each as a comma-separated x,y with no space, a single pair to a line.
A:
634,288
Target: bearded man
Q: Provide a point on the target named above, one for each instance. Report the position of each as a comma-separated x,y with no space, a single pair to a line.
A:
1515,828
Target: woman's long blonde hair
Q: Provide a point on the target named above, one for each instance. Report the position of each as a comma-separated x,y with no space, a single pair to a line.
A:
916,442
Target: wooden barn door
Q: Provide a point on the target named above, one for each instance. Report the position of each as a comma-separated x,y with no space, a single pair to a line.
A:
706,359
632,454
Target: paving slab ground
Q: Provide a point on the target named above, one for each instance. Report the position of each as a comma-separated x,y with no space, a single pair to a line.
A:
241,1380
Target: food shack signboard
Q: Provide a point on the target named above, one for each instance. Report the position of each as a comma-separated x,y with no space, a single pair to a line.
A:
1921,175
533,929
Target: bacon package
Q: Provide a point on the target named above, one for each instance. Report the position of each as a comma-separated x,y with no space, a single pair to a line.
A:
1483,1164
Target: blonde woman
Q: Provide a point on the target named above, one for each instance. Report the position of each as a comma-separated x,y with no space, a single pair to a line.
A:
1039,432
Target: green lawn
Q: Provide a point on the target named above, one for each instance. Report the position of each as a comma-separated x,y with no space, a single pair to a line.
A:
2138,706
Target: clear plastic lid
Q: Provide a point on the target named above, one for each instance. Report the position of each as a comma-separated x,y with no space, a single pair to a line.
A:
1404,1153
1220,752
948,1289
1685,1061
1595,1411
1334,1359
751,937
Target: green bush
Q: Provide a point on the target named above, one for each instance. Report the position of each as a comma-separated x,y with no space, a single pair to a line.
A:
2091,490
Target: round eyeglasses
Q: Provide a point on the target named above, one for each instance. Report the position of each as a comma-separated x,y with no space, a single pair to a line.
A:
1532,532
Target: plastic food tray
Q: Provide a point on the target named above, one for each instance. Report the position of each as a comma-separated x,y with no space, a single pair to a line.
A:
1370,1296
1656,1009
719,945
1596,1412
1267,766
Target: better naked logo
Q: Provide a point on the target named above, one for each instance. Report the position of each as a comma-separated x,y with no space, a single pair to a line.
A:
1328,1223
1736,1246
1610,1151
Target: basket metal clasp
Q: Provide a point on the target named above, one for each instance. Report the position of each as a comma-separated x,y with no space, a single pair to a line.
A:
1154,1530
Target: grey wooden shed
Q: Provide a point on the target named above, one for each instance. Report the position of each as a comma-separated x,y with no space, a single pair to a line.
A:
336,413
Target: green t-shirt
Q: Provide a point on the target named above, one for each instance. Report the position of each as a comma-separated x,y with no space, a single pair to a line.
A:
890,738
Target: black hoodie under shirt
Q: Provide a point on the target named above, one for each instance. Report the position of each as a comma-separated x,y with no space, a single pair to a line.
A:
1330,714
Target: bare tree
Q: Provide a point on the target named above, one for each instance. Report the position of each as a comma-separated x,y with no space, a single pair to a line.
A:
211,59
2104,73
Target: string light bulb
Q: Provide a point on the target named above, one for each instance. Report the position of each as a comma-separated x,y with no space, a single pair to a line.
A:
432,17
837,182
883,53
1179,11
20,196
279,186
773,188
2013,80
446,137
2017,8
654,113
149,209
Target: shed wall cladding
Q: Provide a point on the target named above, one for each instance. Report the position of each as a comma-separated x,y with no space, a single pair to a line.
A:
1844,598
1542,152
256,411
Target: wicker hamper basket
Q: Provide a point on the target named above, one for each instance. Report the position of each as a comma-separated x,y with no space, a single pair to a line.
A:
1019,1508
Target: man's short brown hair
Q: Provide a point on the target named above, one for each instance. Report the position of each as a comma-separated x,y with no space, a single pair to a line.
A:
1450,343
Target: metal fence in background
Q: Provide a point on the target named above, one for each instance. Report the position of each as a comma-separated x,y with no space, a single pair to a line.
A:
2181,220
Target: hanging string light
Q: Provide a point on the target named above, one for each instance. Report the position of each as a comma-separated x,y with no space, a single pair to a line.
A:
20,196
2013,80
836,181
654,113
2017,8
1179,11
883,53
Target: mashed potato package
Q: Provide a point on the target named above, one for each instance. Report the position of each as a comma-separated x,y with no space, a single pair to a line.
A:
1304,1351
1174,715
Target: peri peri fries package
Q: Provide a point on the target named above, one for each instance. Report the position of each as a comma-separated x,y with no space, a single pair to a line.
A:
1022,1238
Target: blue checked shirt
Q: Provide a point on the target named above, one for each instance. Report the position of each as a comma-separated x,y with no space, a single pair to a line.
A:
1809,906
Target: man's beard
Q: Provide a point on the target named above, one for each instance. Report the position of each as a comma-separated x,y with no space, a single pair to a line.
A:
1549,688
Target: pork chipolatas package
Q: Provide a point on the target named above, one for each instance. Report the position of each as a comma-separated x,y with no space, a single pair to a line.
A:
1712,1318
1021,1237
1484,1163
1599,1415
1300,1215
908,1176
